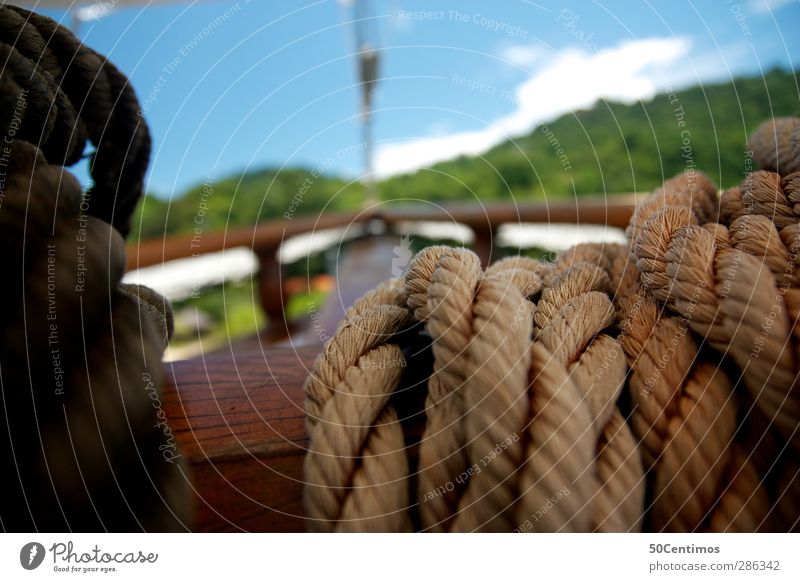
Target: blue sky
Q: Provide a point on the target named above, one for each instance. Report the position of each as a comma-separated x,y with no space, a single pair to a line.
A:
231,86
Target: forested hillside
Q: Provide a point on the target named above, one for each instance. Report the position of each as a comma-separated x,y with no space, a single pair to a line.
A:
609,148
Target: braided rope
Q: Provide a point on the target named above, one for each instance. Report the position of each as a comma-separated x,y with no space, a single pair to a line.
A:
495,403
74,94
368,491
448,316
684,418
80,364
598,366
730,298
620,498
370,322
594,393
776,145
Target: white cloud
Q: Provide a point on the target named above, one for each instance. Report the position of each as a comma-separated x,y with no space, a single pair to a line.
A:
572,79
522,56
765,6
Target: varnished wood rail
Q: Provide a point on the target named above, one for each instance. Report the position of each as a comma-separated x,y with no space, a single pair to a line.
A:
238,420
266,238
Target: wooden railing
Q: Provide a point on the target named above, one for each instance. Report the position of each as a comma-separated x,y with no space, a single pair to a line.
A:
266,238
238,416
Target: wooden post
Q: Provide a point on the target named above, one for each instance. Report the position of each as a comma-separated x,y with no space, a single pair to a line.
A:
272,294
484,244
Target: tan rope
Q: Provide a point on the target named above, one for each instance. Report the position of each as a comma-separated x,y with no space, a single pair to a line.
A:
597,365
730,298
367,324
495,403
577,282
776,145
368,490
559,453
449,285
599,392
683,415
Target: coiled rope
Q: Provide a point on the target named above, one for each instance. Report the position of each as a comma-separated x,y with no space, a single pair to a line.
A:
84,438
648,386
73,95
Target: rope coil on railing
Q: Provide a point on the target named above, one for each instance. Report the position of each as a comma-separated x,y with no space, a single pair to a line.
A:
649,386
81,369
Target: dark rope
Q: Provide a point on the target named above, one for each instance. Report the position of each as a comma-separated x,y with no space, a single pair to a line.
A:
74,94
83,438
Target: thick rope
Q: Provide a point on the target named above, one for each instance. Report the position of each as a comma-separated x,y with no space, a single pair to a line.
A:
72,94
369,491
683,416
80,366
495,403
649,386
775,145
370,322
730,298
445,304
597,364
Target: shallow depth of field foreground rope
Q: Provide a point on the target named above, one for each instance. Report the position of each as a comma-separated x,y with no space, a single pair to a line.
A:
649,386
85,442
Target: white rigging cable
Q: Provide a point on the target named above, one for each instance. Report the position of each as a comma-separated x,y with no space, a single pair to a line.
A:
367,49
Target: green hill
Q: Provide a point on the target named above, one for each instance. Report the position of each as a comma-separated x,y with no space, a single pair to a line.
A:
245,200
609,148
615,148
